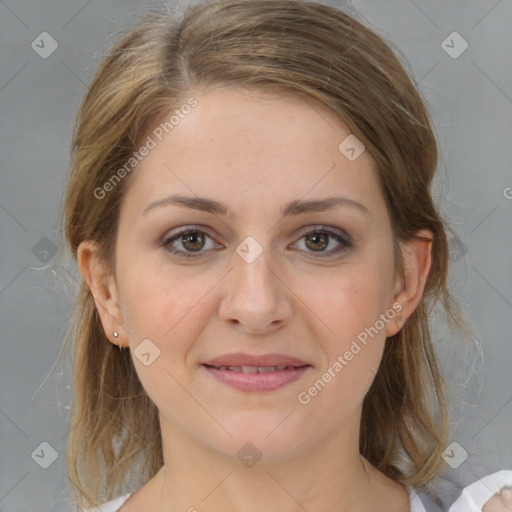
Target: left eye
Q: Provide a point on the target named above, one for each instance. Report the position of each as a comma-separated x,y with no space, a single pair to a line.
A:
320,237
193,240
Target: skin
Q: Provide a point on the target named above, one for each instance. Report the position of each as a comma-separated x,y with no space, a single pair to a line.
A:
501,502
255,153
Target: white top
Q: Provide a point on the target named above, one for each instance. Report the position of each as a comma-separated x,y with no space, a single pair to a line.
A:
472,498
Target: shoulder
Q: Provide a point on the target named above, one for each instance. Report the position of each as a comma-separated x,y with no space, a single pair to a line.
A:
111,506
451,497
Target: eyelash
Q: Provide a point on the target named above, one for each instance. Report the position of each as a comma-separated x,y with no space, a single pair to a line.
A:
341,238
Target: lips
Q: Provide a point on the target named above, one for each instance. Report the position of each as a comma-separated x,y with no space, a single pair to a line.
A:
246,372
254,369
240,360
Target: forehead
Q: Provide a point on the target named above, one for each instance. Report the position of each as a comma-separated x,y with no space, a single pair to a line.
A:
242,145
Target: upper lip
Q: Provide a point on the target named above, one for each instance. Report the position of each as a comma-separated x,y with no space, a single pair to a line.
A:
241,359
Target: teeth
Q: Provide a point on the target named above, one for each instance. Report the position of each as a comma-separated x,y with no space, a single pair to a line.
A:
249,369
254,369
266,369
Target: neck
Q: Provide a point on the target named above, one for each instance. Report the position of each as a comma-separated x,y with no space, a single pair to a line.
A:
327,477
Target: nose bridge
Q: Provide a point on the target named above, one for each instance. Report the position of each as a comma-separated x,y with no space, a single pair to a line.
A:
253,270
255,296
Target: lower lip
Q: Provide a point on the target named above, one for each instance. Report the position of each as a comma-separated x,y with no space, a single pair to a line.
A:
257,382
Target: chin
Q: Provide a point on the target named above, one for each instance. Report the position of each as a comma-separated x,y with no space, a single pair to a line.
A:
273,437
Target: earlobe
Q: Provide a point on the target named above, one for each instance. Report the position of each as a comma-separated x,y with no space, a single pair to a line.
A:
103,288
417,257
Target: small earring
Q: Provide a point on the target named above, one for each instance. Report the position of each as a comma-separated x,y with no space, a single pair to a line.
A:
116,335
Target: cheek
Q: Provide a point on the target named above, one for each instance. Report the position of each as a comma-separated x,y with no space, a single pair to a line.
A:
353,298
147,298
353,307
169,308
352,354
170,311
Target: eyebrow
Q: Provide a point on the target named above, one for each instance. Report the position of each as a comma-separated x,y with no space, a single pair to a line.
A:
296,207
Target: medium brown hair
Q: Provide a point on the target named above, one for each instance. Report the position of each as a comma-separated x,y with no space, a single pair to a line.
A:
276,46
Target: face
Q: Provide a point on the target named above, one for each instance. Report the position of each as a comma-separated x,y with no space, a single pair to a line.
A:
265,272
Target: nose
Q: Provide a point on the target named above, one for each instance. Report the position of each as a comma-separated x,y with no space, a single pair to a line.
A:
256,298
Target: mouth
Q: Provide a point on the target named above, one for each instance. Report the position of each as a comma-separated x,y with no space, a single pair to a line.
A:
257,378
254,369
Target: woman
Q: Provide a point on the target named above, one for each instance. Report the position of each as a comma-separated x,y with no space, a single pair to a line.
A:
250,208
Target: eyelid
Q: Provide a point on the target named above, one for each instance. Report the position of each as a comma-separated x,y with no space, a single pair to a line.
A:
319,228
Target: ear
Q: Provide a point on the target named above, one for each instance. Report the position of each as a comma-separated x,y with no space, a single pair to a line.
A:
103,287
417,258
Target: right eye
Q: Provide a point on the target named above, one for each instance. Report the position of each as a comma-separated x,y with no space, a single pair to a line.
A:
191,239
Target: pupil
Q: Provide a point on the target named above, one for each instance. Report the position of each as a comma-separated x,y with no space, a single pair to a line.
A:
190,238
318,236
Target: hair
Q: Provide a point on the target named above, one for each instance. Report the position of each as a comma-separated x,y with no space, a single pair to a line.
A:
306,49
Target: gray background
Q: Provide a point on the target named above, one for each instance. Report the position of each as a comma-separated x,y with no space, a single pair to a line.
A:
470,98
